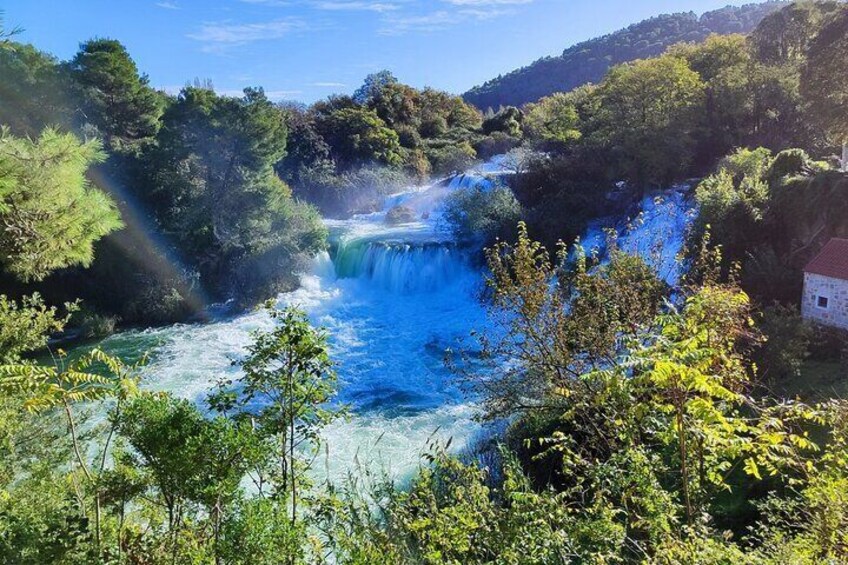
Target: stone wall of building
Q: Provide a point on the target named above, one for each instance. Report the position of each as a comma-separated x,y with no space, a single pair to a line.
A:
836,293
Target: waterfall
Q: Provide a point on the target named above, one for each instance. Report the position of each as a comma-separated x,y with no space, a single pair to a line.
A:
400,267
657,232
392,298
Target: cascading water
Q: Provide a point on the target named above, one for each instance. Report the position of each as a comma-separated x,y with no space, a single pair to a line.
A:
657,233
400,267
393,299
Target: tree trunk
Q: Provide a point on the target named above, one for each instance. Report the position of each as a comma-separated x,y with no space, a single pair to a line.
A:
845,156
81,462
684,467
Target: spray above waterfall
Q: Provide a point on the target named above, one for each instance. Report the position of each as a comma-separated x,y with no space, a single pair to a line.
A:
393,298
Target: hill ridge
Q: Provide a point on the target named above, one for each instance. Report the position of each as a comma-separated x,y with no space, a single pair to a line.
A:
589,60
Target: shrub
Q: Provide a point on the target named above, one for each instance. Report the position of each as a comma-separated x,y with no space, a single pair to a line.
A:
497,143
93,325
451,158
481,216
787,343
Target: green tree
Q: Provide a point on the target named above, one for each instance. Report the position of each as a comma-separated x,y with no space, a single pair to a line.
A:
724,64
373,85
648,111
733,202
113,96
34,94
186,462
556,321
217,195
220,153
508,120
824,81
482,216
553,119
359,137
288,372
784,36
94,376
50,215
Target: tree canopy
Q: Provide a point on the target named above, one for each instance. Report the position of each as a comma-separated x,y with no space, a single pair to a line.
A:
51,216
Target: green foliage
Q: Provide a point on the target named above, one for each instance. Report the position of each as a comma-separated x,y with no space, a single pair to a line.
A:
357,136
26,326
824,79
114,97
217,194
632,416
287,385
256,533
575,183
387,132
33,95
186,464
51,217
553,119
647,114
508,120
41,520
771,215
451,158
732,202
70,381
373,85
785,35
556,322
91,325
482,215
589,61
787,343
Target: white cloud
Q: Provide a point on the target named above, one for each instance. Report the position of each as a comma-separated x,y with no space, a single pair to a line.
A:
394,17
167,5
461,11
487,2
350,5
218,36
433,21
328,84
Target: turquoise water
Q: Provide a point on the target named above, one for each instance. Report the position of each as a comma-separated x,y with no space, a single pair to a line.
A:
393,299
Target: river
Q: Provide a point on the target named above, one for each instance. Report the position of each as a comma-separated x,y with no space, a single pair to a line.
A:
393,299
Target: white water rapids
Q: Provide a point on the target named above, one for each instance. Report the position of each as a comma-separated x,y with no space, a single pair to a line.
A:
393,299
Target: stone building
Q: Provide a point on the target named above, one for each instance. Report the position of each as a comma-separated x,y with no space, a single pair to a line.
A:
825,299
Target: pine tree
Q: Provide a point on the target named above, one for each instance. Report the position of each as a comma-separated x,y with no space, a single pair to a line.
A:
50,217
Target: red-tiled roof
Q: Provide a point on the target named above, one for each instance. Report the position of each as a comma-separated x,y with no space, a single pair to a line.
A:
832,261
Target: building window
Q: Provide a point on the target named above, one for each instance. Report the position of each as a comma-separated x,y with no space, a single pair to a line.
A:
823,302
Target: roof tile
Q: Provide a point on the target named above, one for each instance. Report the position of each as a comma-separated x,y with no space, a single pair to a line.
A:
832,261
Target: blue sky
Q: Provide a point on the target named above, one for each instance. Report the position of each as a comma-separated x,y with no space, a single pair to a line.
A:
308,49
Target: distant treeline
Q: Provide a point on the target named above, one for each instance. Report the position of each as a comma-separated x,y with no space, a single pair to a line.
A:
590,60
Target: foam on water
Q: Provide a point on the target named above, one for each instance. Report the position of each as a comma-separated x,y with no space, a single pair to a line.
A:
657,233
393,299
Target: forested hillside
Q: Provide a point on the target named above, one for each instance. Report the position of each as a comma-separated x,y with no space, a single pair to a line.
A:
632,420
588,61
